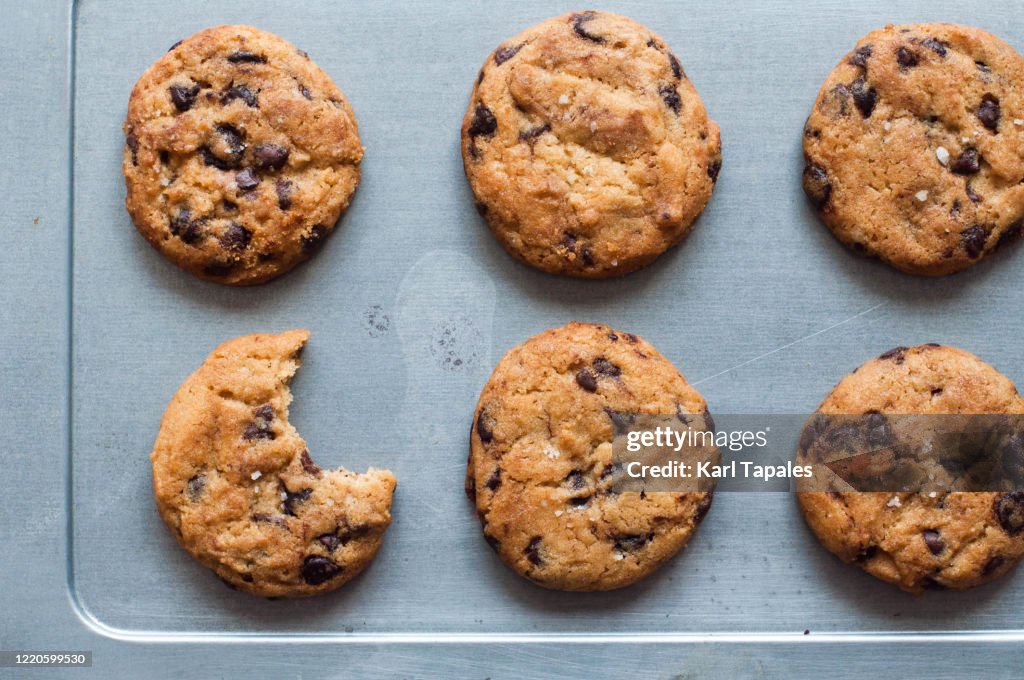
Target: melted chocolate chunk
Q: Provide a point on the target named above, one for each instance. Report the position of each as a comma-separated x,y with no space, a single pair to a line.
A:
532,551
484,123
988,112
236,237
586,380
243,57
817,186
934,541
906,58
184,97
283,187
270,156
671,97
632,542
607,368
503,54
494,481
307,463
864,97
316,570
579,22
247,180
860,56
897,354
974,240
1009,510
485,427
936,46
293,499
530,134
240,92
967,163
312,241
226,150
195,486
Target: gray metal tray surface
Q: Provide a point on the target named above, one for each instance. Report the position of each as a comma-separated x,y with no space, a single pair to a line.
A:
410,304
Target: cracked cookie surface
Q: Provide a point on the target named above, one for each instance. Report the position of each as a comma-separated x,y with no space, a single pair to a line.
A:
914,540
540,467
235,483
587,147
240,155
914,149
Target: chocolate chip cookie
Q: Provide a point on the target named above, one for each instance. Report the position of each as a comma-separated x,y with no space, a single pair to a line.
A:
922,540
540,466
240,155
915,147
238,489
587,147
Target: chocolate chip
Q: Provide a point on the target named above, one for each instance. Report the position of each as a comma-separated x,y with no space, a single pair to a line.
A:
860,56
586,380
934,541
1011,234
329,541
481,209
610,470
864,97
307,463
312,241
993,563
983,67
530,134
714,167
260,427
866,553
613,337
586,256
937,391
494,481
974,240
184,97
243,57
172,47
671,97
817,186
988,112
240,92
967,163
605,367
677,69
579,22
195,486
1009,509
632,542
229,146
316,570
247,180
269,156
905,58
532,551
283,187
188,230
632,338
484,427
936,46
897,354
133,146
492,541
305,92
503,54
580,501
484,123
291,500
575,480
236,237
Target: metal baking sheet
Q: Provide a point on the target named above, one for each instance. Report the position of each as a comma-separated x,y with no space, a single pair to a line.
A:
410,305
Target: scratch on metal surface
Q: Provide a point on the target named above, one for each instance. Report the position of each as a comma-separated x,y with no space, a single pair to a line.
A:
790,344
